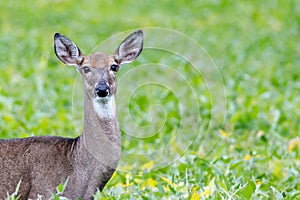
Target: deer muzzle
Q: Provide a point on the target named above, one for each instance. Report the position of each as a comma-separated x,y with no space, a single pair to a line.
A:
102,90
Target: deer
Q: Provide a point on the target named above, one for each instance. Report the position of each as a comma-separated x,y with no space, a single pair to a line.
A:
88,161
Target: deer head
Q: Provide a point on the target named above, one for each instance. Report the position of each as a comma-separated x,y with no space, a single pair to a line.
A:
99,69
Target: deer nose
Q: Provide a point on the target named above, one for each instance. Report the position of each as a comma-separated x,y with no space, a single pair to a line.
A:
102,90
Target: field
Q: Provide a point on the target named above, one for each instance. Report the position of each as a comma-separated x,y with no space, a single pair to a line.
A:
210,109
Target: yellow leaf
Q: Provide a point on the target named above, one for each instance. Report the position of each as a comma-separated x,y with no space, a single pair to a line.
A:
294,144
114,175
208,189
148,183
147,166
195,196
224,134
127,179
195,188
205,193
166,180
169,183
247,157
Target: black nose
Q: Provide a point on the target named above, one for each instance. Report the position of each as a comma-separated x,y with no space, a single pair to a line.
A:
102,90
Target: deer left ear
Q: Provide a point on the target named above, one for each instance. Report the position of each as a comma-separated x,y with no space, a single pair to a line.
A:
130,48
66,50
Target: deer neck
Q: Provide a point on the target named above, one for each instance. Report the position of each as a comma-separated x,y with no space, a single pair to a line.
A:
101,134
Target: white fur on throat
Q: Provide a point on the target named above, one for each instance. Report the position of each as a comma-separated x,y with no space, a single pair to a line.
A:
105,108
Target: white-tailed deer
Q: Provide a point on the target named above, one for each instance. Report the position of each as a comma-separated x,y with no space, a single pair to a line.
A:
88,161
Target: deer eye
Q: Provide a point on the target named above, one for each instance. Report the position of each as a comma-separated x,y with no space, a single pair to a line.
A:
114,68
86,69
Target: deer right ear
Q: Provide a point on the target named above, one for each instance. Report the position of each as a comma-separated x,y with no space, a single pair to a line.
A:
66,50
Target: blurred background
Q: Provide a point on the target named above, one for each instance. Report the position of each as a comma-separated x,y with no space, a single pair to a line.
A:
252,151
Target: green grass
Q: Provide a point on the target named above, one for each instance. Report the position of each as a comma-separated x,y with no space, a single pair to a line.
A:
256,47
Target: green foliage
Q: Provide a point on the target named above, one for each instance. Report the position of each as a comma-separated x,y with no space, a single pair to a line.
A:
60,190
14,195
254,154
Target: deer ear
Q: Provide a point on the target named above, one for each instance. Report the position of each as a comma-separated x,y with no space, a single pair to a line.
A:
130,48
66,50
